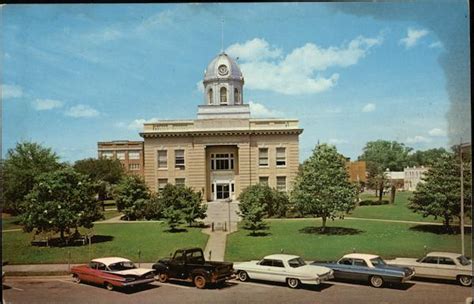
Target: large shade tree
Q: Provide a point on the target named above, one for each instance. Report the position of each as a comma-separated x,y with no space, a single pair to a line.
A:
440,192
21,166
131,196
322,187
60,201
184,202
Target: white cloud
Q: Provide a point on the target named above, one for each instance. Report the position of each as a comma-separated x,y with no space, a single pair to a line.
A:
336,141
370,107
417,139
46,104
105,35
137,124
437,132
259,110
11,91
82,111
436,44
299,71
412,37
162,18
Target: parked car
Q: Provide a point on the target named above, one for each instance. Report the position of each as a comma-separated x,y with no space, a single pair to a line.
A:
368,267
190,265
440,265
285,268
112,272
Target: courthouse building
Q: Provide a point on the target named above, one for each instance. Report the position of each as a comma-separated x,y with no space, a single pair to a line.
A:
223,150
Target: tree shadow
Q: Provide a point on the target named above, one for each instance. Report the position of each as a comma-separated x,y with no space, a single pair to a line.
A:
330,230
77,242
439,229
200,225
176,230
259,234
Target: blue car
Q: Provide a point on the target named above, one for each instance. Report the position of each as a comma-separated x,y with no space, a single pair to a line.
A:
369,268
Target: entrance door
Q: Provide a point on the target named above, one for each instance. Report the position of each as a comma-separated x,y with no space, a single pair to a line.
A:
222,191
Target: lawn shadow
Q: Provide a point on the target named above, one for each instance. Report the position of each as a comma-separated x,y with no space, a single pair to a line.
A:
330,230
57,242
176,230
439,229
200,225
259,234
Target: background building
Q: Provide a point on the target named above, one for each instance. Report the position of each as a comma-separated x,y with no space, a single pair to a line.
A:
357,171
413,176
130,154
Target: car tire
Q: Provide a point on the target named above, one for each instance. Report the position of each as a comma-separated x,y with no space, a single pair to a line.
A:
109,286
465,280
162,277
199,281
76,278
293,283
243,276
376,281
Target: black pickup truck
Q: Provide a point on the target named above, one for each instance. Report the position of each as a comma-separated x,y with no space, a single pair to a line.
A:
190,265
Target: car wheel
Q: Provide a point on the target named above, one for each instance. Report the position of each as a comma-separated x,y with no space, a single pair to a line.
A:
109,286
465,280
243,276
199,281
76,278
376,281
162,277
293,283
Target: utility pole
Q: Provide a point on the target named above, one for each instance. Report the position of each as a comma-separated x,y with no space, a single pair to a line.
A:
462,196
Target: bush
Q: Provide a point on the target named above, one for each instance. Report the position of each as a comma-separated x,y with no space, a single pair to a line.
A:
276,202
373,203
131,195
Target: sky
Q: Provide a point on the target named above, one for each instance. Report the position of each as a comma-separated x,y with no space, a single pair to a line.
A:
73,75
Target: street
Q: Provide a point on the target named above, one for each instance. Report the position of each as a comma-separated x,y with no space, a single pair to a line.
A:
61,289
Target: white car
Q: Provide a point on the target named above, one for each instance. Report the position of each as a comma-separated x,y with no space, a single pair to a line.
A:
440,265
285,268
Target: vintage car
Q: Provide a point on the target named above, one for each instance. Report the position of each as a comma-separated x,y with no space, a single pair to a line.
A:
440,265
285,268
112,272
368,267
189,265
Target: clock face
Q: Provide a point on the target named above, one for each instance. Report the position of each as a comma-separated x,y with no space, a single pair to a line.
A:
223,70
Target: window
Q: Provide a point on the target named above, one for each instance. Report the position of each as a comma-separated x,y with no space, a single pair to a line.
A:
430,260
266,262
463,260
280,157
107,154
263,180
296,262
133,167
93,265
223,161
180,182
223,95
263,157
345,261
446,261
281,183
162,183
101,266
179,158
378,262
209,96
360,262
121,155
236,96
278,263
134,155
162,159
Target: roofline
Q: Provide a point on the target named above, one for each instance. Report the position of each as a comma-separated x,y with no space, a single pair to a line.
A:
297,131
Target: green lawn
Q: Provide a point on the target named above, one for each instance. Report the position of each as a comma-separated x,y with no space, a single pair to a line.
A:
386,239
111,213
122,240
9,222
398,211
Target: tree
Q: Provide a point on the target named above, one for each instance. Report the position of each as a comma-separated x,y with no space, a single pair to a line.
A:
60,201
154,207
426,158
104,172
185,200
322,188
22,164
440,192
252,209
131,195
381,155
276,202
173,216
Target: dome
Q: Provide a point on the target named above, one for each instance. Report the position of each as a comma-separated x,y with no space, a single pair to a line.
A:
223,66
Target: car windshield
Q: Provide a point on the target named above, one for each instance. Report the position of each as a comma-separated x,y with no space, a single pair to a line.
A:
122,266
463,260
296,262
378,262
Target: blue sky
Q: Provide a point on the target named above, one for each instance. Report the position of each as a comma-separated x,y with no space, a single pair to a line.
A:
73,75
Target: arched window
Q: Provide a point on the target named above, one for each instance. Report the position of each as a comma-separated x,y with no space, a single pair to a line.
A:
223,95
236,96
209,96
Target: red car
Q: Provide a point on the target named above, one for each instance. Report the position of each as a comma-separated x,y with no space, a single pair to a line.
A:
112,272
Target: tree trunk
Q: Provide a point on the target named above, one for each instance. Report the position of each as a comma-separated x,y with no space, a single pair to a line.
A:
380,192
323,228
62,234
447,227
393,190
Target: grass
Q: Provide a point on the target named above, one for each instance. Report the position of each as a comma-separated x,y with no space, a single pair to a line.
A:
111,213
301,237
397,211
123,240
10,222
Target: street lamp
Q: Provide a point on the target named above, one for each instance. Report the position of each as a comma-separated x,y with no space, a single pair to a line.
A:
228,210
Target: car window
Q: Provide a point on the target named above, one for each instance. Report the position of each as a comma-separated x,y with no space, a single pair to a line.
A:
430,260
195,256
446,261
345,261
278,263
463,260
360,262
101,266
296,262
378,262
121,266
179,256
93,265
265,262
